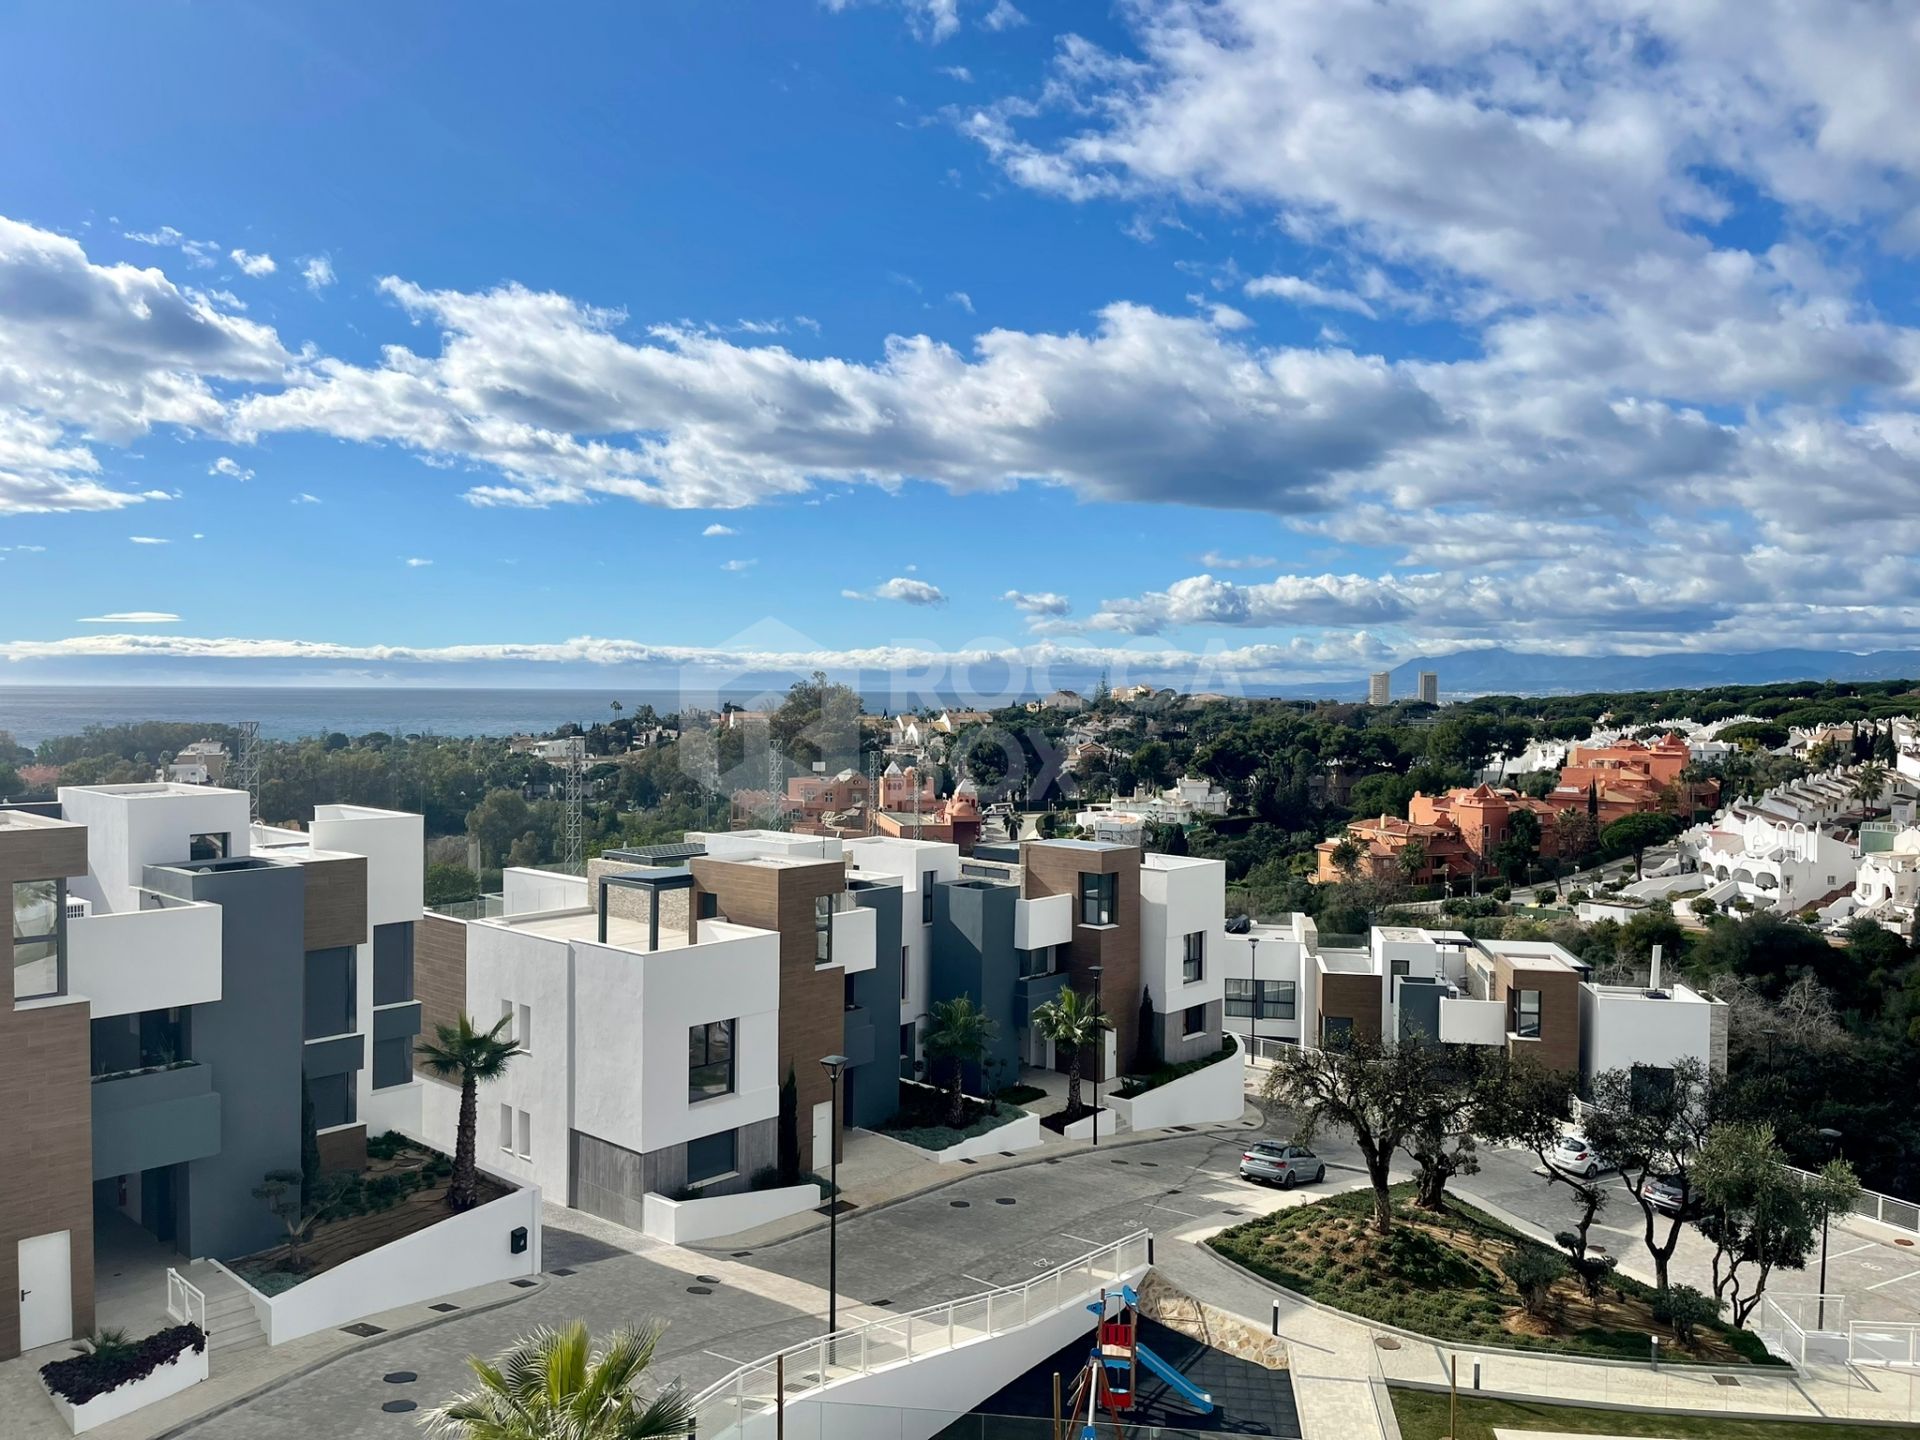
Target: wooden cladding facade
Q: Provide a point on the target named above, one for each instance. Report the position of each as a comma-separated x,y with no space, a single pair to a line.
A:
439,976
1055,869
336,901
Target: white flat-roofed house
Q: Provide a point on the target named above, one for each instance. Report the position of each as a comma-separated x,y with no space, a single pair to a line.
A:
1182,945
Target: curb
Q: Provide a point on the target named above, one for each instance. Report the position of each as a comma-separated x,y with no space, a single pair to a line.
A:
279,1382
1034,1157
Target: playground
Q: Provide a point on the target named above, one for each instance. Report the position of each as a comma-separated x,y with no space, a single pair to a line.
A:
1133,1378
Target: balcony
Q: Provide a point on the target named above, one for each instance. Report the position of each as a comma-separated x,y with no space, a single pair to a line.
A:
855,943
146,1118
154,958
1045,920
1473,1022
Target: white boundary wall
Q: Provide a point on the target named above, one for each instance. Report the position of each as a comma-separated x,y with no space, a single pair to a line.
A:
183,1372
1212,1094
458,1253
687,1222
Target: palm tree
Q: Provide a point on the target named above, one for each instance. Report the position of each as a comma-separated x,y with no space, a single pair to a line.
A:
959,1031
1347,855
476,1056
1070,1023
1869,784
554,1386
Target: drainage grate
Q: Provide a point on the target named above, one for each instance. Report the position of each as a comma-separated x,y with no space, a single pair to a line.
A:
1006,1200
1183,1129
1726,1379
1150,1164
708,1279
1009,1154
563,1270
699,1290
363,1330
836,1207
968,1160
445,1307
1051,1160
1119,1162
960,1204
741,1254
1386,1342
881,1303
524,1284
399,1407
399,1377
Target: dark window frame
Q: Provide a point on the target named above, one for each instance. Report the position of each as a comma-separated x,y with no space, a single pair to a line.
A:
1193,1021
1099,897
209,845
698,1146
704,1056
1522,1012
1193,956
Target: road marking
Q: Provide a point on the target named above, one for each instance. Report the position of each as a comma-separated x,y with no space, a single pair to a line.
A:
718,1356
1156,1205
1879,1284
978,1281
1081,1240
1870,1245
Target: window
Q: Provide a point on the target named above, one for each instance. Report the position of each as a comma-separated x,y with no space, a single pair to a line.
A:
710,1157
1193,1019
1276,999
709,905
710,1060
506,1128
851,1002
525,1151
39,917
506,1014
904,972
392,1061
1526,1014
1193,956
1096,899
332,1100
822,930
207,847
926,896
329,997
1336,1030
1037,961
392,964
523,1028
906,1052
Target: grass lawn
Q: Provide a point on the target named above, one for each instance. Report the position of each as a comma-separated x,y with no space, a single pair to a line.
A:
1440,1275
1423,1416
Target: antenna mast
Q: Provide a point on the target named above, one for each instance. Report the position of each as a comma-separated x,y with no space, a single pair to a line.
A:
575,773
246,765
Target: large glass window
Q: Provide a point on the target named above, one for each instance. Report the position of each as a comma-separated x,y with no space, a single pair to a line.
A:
333,1100
710,1060
1526,1014
1037,961
926,896
392,963
1193,956
392,1061
1096,899
1336,1030
1276,999
1193,1020
823,930
329,993
210,846
710,1157
39,907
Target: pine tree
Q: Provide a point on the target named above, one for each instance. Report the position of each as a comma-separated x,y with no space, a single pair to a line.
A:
789,1134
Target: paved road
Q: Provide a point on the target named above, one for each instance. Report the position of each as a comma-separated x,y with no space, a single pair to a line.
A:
939,1246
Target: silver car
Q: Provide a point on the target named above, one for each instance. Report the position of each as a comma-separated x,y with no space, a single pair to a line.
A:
1273,1163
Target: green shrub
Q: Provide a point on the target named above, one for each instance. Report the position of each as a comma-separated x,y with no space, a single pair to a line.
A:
1533,1272
1684,1309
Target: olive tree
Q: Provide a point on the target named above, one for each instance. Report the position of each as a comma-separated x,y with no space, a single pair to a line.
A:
1652,1123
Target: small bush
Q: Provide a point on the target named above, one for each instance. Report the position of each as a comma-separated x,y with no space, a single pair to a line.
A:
87,1377
1684,1309
767,1177
1533,1272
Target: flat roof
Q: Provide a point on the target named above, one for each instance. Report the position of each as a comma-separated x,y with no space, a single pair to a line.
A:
1534,955
1348,962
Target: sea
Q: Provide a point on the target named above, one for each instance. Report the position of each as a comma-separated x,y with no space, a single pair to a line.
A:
32,713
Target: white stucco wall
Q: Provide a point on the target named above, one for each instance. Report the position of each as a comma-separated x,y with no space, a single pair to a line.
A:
688,1222
529,892
507,964
1619,1031
393,843
1213,1094
1281,957
129,961
1179,895
131,827
909,860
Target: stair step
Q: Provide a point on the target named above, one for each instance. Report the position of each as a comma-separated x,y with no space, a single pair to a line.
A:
239,1350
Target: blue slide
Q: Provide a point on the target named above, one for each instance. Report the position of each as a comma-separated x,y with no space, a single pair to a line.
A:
1193,1395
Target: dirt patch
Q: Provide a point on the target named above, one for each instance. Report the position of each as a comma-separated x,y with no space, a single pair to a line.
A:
1177,1310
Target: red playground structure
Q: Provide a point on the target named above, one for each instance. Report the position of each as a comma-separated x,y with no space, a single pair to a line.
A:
1109,1381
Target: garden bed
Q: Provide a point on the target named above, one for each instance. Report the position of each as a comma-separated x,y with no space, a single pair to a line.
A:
120,1376
924,1119
1422,1415
1441,1276
403,1190
1132,1085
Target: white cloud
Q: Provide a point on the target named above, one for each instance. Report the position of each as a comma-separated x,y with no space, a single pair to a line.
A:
149,540
1214,560
254,265
317,271
231,468
736,566
303,498
718,529
957,72
1043,602
902,588
202,253
962,299
930,20
1307,293
414,562
130,617
1003,16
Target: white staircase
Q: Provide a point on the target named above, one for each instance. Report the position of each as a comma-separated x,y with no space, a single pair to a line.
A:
233,1329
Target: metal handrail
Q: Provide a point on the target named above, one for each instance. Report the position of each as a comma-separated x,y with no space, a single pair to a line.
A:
186,1301
756,1388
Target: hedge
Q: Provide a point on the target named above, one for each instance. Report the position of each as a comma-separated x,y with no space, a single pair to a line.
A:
87,1377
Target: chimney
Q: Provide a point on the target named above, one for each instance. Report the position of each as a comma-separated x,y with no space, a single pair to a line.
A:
1653,978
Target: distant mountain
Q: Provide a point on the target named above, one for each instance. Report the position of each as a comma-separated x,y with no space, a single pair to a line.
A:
1512,672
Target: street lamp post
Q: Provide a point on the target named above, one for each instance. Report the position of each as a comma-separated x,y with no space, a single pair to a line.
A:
1253,1005
833,1065
1832,1139
1100,1052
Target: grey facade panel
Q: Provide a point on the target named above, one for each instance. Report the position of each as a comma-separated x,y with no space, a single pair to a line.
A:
1176,1047
612,1182
396,1022
873,1078
252,1039
1420,1006
341,1055
392,1062
329,992
392,963
973,955
154,1118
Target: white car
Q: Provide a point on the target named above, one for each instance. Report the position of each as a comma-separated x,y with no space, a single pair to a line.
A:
1575,1156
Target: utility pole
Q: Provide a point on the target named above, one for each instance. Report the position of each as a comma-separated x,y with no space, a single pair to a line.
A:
246,766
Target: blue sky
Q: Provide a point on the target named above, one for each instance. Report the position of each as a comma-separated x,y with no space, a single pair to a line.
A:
1310,337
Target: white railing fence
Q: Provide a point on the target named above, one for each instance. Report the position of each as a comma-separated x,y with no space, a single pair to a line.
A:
186,1302
1799,1326
1265,1052
1883,1342
1886,1210
729,1403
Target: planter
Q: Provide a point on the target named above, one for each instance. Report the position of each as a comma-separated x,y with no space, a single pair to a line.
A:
686,1222
1106,1121
183,1372
1021,1132
1213,1094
